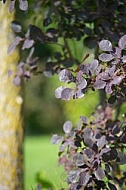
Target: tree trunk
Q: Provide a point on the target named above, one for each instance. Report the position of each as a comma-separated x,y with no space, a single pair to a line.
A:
11,132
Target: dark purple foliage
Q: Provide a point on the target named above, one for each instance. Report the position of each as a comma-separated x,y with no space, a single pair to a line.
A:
89,153
97,76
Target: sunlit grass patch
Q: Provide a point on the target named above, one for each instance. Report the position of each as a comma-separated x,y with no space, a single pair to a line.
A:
41,156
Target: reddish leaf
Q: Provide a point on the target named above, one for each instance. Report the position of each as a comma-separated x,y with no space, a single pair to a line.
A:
73,176
16,26
58,91
99,173
23,5
105,45
17,81
12,6
67,127
122,42
27,44
65,75
67,94
56,139
105,57
14,44
112,186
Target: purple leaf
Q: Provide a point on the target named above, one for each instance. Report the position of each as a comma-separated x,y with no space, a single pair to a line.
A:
122,158
105,45
112,186
78,94
23,5
89,153
63,146
103,76
82,84
93,66
79,76
65,75
105,150
21,64
12,5
108,88
84,119
95,148
105,57
20,71
87,132
118,52
27,44
99,173
117,80
16,26
17,40
85,68
124,59
67,127
122,42
17,81
123,137
67,94
73,176
27,74
95,163
110,70
56,139
87,135
107,168
101,142
30,55
115,62
88,142
99,84
84,178
79,159
98,69
115,129
58,91
113,154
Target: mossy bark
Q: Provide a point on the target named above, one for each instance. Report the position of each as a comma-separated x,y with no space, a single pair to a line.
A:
11,132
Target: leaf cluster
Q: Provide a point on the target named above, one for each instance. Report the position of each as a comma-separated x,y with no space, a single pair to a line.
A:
107,72
91,151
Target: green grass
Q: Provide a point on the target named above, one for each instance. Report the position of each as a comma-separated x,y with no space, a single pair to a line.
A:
41,156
